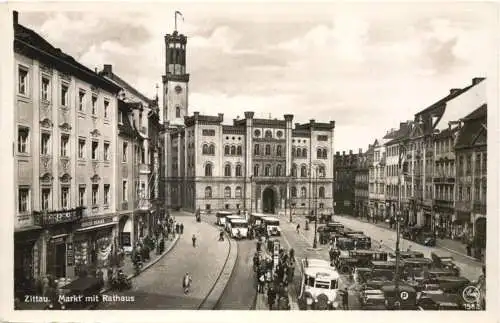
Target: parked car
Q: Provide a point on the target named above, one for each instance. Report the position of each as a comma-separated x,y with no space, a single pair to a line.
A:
445,262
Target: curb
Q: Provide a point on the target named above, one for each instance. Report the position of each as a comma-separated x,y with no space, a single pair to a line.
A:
149,264
213,297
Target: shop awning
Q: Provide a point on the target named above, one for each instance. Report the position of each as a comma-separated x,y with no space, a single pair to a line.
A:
97,226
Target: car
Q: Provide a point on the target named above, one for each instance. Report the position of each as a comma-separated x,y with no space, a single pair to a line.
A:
439,301
319,285
372,299
400,297
445,262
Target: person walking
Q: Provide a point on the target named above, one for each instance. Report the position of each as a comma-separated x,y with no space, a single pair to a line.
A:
177,230
181,228
194,240
298,227
261,281
186,283
271,297
221,235
345,299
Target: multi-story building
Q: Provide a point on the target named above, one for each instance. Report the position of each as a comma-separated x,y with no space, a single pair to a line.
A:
345,166
65,124
420,150
254,164
139,147
361,175
396,185
471,177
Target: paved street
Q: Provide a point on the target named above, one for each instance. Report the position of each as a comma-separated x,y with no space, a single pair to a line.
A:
160,287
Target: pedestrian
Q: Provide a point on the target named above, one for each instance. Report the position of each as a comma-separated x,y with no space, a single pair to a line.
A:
194,240
298,227
177,228
181,227
221,235
186,283
271,297
261,282
345,299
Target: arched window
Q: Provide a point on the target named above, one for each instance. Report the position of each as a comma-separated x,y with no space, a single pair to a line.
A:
208,192
205,149
227,170
233,150
321,192
238,170
226,150
238,192
256,149
268,134
267,170
211,150
239,151
319,153
227,192
256,170
304,152
177,112
278,151
278,170
321,171
325,153
294,170
293,191
299,152
293,151
303,192
303,171
268,150
208,170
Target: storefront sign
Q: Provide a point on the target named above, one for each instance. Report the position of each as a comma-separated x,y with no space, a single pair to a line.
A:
98,221
70,254
57,217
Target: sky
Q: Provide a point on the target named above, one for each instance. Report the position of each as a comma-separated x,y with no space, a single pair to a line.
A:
366,66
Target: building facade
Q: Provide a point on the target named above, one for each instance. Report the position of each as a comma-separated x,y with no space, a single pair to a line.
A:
64,162
139,148
254,164
345,166
361,182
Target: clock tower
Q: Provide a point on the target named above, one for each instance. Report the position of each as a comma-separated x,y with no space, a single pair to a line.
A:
175,80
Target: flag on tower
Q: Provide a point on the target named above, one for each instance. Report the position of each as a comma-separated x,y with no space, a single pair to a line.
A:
180,14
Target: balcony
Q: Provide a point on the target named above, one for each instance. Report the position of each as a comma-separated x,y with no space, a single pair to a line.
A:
51,218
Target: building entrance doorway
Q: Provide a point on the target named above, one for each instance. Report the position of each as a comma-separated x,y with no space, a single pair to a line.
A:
268,200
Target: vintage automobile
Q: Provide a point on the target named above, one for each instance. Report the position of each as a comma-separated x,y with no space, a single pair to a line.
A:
325,233
361,275
348,232
372,299
437,300
345,245
361,241
449,284
359,258
420,235
406,254
415,268
319,286
445,262
401,297
378,278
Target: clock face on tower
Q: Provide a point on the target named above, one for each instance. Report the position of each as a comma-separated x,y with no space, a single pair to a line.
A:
178,89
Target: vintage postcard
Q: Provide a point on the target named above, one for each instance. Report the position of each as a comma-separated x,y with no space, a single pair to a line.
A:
326,159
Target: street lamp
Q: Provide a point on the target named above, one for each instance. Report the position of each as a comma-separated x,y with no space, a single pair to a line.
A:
315,186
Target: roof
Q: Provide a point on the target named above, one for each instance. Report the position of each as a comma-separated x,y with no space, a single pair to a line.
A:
29,43
403,132
473,132
119,81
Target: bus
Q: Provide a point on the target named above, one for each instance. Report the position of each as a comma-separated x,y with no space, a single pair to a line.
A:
272,225
228,220
221,217
256,218
238,228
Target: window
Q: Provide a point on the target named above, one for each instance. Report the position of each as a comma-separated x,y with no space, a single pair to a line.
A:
226,150
81,148
239,151
238,170
120,117
22,139
268,150
124,152
303,171
325,154
95,148
304,152
268,134
81,99
23,81
238,192
124,191
81,195
106,108
177,112
267,170
207,207
233,150
208,192
321,171
256,170
94,107
278,151
211,150
106,194
45,89
227,192
256,149
299,152
294,170
460,193
469,165
278,170
23,199
64,145
293,192
321,192
293,151
95,194
143,155
227,170
205,149
303,192
106,151
208,170
319,153
226,206
45,144
65,197
64,95
45,199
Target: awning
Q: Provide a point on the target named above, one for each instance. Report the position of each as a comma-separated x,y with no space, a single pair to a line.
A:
96,226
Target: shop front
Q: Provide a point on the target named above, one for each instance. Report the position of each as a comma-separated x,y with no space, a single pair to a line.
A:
26,261
125,239
141,224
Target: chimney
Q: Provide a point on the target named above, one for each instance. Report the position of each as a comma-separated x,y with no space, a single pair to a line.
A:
343,152
360,150
350,152
108,69
453,91
337,153
95,70
15,16
477,80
